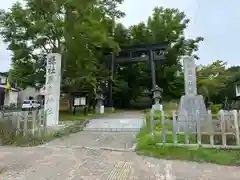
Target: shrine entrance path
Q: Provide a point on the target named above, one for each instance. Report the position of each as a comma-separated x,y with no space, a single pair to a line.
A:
82,157
114,132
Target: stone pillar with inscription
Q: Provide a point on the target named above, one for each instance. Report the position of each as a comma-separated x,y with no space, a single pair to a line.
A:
52,88
192,107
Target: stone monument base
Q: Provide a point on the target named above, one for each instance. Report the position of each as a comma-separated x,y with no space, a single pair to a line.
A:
99,109
158,107
192,109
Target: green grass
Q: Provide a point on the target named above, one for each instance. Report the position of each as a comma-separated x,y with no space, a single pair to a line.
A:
68,116
147,145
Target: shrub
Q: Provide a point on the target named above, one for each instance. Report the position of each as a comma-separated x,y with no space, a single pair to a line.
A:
12,106
215,108
8,129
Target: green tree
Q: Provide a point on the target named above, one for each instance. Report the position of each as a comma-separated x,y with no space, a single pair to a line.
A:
71,28
211,79
164,25
80,30
232,74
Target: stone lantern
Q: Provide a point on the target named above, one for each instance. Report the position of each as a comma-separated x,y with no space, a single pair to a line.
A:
157,96
100,102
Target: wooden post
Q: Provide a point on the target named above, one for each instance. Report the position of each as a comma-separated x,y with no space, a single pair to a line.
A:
199,135
19,118
210,127
238,115
187,116
44,118
13,119
223,128
163,128
25,123
235,116
34,113
39,122
152,122
174,127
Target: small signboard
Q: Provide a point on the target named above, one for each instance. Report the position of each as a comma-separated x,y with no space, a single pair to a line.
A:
76,102
79,101
82,101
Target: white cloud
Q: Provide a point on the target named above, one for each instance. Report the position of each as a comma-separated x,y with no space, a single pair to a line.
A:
137,11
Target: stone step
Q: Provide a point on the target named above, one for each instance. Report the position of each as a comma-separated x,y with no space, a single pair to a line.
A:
115,124
112,129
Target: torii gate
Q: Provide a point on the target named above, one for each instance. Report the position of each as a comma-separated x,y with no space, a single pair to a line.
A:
135,54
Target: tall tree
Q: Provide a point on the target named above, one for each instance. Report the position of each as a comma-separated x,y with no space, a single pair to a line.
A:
229,90
79,30
212,78
71,28
164,25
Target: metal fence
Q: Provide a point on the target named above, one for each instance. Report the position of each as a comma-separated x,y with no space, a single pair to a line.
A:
200,130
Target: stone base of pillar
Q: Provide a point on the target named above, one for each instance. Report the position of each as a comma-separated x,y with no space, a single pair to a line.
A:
157,106
99,109
192,109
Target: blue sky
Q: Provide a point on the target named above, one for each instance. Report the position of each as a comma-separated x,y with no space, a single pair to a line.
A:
215,20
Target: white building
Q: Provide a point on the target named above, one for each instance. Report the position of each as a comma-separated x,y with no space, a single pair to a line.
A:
17,96
30,93
7,98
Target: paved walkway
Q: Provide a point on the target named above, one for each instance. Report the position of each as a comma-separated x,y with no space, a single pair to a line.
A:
116,131
86,156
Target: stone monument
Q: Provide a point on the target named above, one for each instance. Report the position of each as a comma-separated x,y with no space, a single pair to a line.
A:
192,107
52,89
